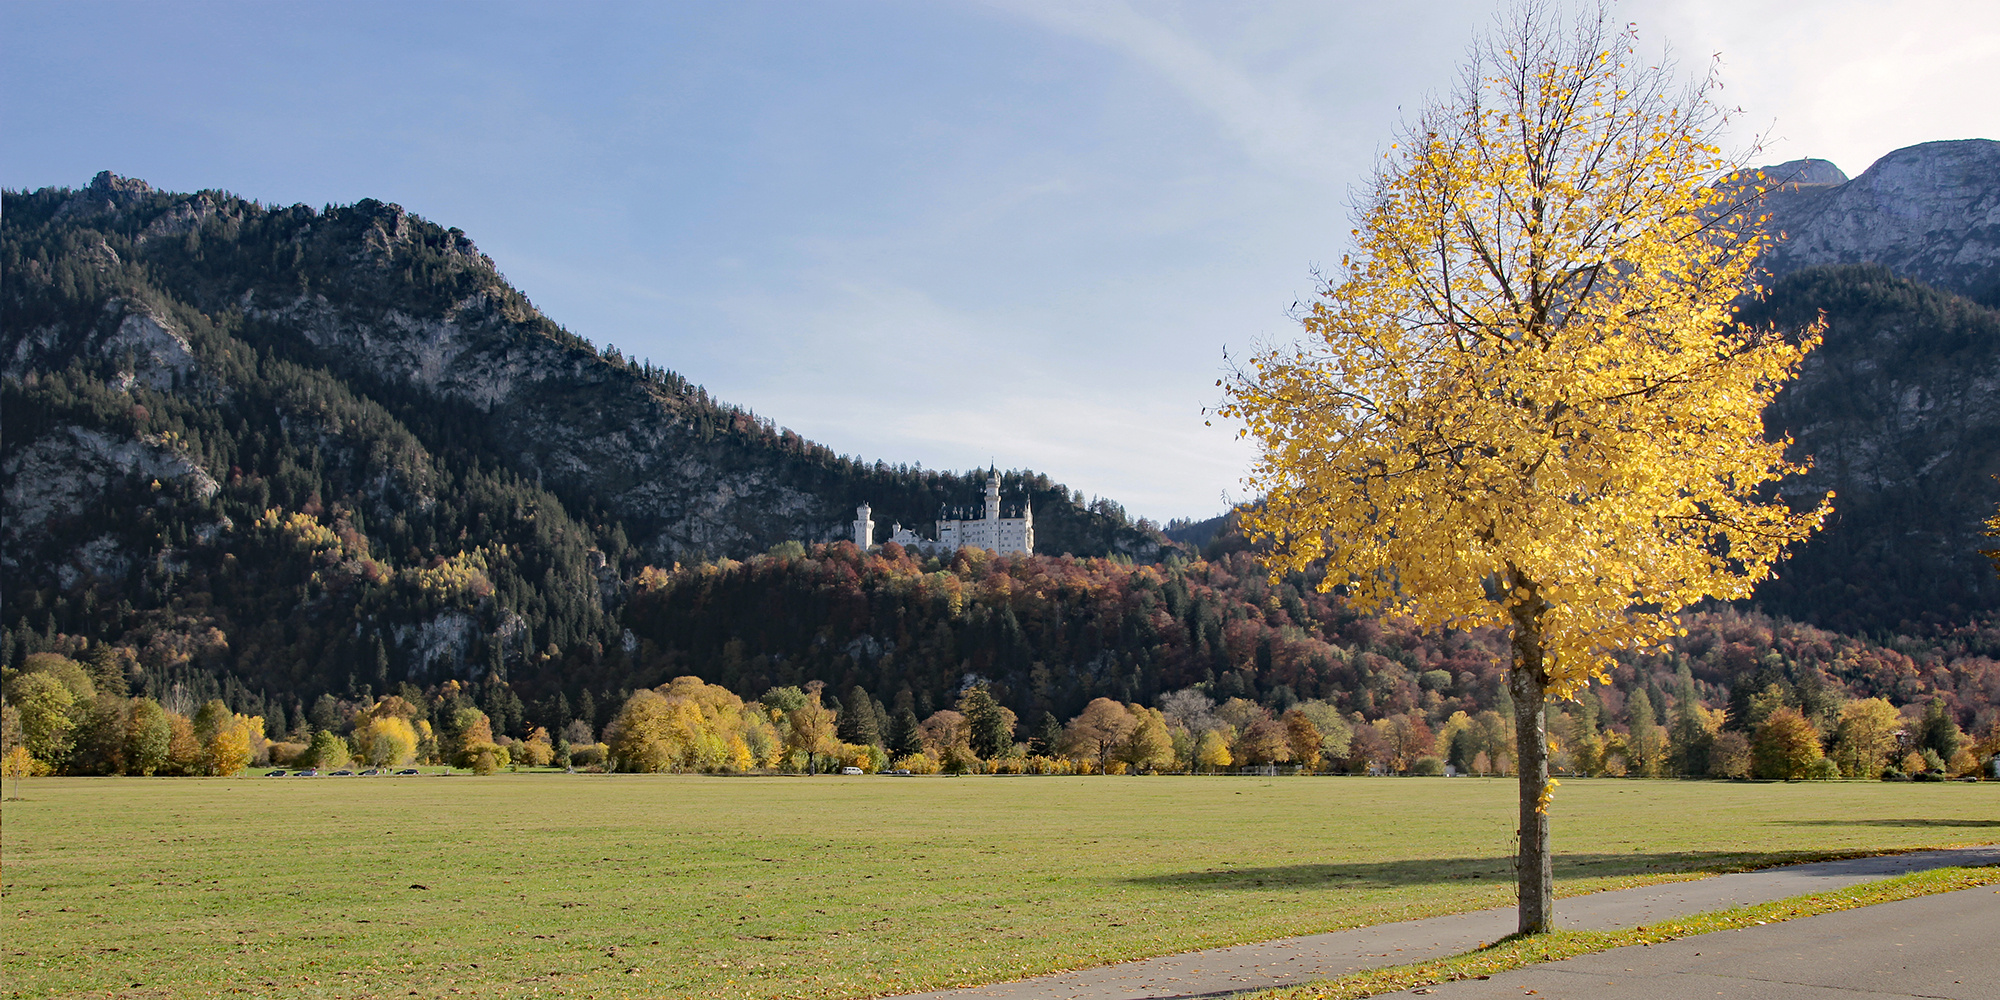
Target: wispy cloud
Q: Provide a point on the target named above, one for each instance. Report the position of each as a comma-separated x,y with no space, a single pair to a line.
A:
1273,122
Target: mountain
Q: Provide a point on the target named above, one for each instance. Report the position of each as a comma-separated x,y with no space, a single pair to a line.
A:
1929,212
1899,410
1898,407
316,448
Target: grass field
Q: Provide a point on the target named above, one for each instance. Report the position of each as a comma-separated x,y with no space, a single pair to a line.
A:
572,885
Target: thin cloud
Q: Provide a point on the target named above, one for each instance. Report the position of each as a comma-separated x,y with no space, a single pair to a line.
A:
1273,123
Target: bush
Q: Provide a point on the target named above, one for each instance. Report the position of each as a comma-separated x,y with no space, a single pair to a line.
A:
961,760
1047,765
1927,776
1430,767
1894,774
1823,769
916,763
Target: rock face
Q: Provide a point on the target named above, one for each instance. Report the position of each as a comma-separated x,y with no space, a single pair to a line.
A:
65,470
1930,212
564,418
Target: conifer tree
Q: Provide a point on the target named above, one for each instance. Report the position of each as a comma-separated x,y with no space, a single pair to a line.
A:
857,719
1047,739
905,734
991,735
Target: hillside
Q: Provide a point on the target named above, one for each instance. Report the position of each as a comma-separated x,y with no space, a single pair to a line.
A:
1900,411
315,449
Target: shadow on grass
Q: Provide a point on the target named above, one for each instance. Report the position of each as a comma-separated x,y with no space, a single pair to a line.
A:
1488,870
1988,824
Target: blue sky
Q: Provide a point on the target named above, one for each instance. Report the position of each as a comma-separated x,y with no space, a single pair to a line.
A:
937,233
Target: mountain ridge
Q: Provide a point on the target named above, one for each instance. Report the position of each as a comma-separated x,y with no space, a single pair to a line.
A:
1930,212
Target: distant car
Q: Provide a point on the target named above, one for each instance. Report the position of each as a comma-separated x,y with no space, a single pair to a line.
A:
407,770
903,771
343,773
371,772
850,770
279,773
307,773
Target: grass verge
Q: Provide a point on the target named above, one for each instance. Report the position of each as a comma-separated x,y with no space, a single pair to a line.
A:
1516,952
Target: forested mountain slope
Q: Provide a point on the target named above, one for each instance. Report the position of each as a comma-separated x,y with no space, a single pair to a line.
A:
1899,410
314,449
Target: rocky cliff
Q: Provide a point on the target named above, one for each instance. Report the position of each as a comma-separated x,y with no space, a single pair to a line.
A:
1929,212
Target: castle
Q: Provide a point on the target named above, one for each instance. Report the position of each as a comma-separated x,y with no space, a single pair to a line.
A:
959,527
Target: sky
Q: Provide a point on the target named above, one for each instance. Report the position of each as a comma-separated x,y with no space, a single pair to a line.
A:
939,233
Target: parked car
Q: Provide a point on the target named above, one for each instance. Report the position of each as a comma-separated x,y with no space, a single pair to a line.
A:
850,770
903,771
307,773
371,772
279,773
407,770
343,773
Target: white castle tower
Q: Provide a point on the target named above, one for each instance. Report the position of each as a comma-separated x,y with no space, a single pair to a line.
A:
864,528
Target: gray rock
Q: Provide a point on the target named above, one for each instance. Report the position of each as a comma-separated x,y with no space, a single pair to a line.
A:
1929,212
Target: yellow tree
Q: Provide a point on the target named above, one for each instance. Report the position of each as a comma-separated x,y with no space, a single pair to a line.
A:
386,740
642,734
1786,747
1865,737
1212,753
1148,747
1523,400
1304,738
228,748
811,731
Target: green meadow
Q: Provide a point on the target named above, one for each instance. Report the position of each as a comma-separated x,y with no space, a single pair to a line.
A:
688,886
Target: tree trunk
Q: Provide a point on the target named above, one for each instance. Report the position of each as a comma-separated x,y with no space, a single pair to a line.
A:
1534,866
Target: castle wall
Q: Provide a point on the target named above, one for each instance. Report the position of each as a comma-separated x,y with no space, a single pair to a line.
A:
1004,535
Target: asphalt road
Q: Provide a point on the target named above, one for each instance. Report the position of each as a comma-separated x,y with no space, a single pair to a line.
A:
1947,945
1284,962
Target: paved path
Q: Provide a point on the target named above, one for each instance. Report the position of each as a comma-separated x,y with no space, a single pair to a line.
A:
1947,945
1224,971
